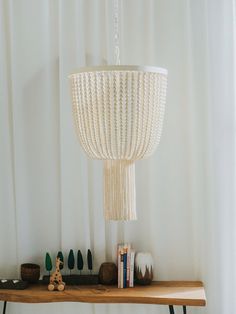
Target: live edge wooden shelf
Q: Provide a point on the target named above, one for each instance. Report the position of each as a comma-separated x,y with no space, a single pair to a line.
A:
183,293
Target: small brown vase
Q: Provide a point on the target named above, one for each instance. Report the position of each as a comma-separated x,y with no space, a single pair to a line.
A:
108,274
30,272
143,268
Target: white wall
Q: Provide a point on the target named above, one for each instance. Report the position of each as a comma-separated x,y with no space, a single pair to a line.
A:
50,193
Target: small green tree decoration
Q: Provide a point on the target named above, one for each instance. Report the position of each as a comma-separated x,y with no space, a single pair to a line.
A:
60,255
71,260
80,262
90,261
48,263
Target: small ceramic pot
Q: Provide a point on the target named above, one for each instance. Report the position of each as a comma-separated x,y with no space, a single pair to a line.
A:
143,268
108,274
30,272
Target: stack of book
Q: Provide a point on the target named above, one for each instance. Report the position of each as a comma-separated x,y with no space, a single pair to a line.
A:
125,261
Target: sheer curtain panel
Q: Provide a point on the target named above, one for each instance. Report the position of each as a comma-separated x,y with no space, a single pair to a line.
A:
51,193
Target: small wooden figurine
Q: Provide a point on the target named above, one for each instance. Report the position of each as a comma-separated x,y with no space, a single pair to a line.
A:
80,261
71,260
60,255
56,282
48,263
90,261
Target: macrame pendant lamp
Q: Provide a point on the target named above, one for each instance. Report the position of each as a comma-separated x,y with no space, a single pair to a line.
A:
118,113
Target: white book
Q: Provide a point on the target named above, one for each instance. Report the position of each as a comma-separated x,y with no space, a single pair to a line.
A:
131,278
122,270
119,250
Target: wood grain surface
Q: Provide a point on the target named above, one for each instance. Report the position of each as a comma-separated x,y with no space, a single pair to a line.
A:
190,293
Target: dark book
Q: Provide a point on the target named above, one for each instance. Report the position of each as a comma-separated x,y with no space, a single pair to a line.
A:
125,270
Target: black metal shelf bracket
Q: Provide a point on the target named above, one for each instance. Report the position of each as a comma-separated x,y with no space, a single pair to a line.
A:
172,311
4,307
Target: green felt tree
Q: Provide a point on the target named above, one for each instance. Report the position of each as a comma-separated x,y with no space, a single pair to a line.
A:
60,255
71,260
80,262
90,261
48,263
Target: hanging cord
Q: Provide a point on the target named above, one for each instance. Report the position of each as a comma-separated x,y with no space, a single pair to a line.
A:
116,32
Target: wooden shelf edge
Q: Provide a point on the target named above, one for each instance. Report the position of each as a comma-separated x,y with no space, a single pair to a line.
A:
163,293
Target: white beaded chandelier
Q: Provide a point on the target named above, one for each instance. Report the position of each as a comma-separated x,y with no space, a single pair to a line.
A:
118,113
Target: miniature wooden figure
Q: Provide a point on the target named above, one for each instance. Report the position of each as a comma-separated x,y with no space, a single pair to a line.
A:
48,263
80,261
56,282
71,260
90,261
60,255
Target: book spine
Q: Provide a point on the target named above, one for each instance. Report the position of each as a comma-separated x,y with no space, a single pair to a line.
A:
131,279
119,264
125,270
122,270
128,266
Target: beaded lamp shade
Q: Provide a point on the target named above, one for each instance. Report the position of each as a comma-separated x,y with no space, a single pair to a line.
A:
118,113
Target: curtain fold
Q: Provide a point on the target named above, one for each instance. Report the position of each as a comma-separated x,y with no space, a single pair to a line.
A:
51,194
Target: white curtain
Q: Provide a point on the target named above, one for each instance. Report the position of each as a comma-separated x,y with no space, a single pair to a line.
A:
51,194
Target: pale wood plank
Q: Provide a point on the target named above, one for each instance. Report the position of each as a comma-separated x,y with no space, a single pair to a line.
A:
190,293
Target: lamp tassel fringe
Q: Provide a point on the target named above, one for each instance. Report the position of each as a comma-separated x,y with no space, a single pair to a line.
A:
119,190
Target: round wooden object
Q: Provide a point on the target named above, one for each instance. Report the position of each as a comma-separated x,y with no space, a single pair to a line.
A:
30,272
108,274
61,287
51,287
